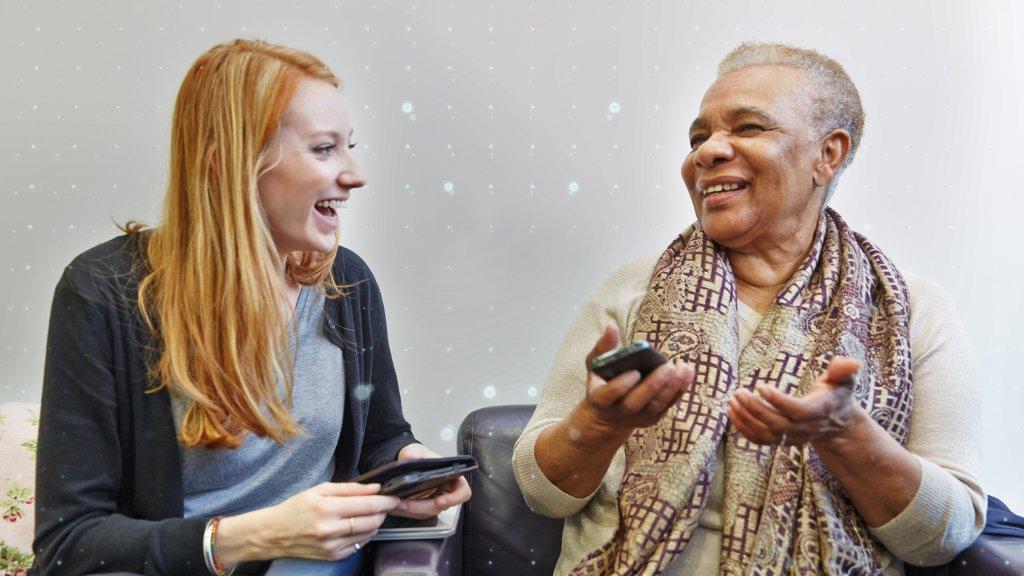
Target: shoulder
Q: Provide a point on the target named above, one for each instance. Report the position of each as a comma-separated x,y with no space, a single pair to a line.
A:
350,268
106,270
935,325
618,298
629,281
929,302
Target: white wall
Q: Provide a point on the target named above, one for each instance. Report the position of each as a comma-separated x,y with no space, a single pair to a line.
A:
512,104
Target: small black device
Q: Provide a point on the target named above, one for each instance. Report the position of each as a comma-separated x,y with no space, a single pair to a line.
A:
640,356
412,477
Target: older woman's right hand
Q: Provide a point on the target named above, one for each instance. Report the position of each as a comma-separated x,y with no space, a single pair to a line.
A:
574,454
625,402
329,521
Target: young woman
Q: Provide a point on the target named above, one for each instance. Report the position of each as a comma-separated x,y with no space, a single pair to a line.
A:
212,382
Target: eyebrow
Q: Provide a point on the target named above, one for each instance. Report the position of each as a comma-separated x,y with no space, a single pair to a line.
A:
334,133
700,123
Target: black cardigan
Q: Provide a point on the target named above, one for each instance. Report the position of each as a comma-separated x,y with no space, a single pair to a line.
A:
108,475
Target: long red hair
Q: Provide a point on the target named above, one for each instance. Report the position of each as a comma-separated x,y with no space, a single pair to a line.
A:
213,289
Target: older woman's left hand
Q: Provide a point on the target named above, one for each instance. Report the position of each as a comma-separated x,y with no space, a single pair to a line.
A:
455,492
826,411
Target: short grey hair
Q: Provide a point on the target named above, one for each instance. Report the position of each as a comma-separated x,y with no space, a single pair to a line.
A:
836,102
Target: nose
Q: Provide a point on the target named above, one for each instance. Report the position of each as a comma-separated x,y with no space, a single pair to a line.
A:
713,151
351,176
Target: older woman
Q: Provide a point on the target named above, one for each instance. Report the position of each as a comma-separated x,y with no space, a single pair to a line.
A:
821,415
212,383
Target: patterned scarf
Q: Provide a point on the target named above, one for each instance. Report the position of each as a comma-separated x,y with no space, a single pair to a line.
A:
784,512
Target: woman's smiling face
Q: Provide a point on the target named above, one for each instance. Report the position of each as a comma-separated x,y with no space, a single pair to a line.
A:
314,171
751,168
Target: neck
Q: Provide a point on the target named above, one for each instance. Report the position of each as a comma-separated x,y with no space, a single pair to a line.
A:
763,268
282,266
291,287
767,267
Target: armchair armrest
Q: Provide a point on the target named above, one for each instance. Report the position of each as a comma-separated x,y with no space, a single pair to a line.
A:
434,557
988,556
991,555
427,557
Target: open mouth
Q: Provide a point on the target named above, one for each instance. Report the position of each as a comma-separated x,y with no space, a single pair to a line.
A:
719,188
329,208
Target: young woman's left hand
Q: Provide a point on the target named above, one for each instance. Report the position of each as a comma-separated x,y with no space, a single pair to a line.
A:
455,492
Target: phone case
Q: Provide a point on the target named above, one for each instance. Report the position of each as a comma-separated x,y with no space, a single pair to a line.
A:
411,477
640,356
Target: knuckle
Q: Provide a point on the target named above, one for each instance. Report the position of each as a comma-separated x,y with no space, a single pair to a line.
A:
321,532
320,507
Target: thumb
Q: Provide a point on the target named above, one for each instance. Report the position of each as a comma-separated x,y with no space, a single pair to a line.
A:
841,370
346,489
609,340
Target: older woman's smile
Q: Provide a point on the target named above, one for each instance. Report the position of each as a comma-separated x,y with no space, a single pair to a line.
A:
719,191
721,188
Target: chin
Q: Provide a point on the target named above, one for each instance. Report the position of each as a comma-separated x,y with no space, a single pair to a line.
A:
724,228
320,246
310,245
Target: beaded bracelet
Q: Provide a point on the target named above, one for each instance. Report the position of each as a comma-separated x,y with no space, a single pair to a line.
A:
210,549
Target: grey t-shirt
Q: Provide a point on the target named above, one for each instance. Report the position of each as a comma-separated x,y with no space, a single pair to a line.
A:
261,473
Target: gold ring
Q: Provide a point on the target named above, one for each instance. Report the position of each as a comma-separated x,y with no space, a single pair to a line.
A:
352,525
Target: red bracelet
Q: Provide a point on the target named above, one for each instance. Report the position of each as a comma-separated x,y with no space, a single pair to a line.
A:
217,568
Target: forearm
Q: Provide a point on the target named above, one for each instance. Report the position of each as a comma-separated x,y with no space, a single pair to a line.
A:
116,543
243,538
574,454
880,476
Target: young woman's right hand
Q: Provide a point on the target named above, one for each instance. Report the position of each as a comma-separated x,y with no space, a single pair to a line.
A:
325,522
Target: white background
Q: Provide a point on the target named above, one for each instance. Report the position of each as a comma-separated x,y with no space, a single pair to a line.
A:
513,104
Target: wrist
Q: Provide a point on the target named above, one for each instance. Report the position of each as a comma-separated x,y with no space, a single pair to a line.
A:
851,436
415,451
210,556
588,431
244,537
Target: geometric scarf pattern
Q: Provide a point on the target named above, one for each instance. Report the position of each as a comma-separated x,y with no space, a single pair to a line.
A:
784,512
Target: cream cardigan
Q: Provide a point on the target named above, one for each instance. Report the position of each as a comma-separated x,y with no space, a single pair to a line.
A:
944,517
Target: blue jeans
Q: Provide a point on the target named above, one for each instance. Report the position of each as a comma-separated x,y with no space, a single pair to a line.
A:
296,566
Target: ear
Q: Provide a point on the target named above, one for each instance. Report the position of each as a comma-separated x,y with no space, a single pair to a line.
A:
835,146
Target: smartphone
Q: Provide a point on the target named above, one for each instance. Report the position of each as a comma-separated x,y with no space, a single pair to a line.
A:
412,477
640,356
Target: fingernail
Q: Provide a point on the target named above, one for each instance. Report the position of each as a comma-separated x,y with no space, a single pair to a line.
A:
634,377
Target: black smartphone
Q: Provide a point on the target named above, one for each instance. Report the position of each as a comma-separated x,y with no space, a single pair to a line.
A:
412,477
640,356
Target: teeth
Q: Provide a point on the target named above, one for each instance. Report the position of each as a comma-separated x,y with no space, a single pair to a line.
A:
721,188
334,205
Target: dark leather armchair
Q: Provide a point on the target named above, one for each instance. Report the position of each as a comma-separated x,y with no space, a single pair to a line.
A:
498,534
